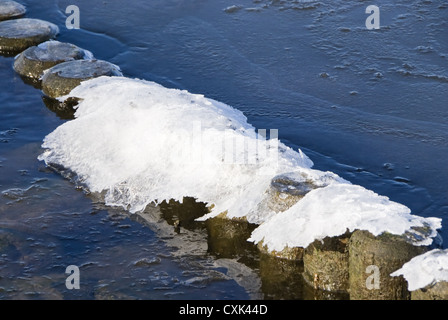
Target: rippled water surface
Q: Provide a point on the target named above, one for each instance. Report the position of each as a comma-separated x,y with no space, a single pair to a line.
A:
368,105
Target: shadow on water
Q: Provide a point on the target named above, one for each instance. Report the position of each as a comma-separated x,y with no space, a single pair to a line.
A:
280,279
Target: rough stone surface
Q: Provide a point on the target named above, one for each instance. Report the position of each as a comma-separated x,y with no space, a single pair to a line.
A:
32,62
281,278
295,253
285,192
326,264
20,34
62,78
11,10
438,291
388,253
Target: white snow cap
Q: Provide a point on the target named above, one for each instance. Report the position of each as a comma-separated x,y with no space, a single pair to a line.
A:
332,210
425,269
140,143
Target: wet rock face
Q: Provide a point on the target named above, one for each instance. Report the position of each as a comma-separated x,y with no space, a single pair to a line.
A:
295,253
32,62
20,34
285,184
285,191
438,291
387,253
62,78
326,264
11,10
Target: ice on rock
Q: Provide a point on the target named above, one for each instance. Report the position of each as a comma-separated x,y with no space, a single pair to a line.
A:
64,77
288,188
332,210
11,10
19,34
32,62
425,269
142,143
53,50
139,143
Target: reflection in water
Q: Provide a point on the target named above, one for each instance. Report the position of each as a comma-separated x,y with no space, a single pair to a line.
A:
183,215
35,83
275,278
64,110
228,239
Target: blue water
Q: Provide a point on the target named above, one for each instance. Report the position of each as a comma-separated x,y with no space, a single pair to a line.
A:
369,105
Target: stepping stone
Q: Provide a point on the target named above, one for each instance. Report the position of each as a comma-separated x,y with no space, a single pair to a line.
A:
326,264
437,291
20,34
11,10
387,253
62,78
32,62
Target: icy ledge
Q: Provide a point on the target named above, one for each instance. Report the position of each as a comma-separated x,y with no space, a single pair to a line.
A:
332,210
425,269
139,143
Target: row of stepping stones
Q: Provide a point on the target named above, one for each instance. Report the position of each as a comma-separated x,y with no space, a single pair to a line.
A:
58,67
53,66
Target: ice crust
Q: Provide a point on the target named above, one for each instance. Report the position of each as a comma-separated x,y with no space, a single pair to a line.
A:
10,9
425,269
139,143
53,50
335,209
27,27
143,143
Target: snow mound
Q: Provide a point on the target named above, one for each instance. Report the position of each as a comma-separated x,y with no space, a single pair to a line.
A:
138,142
142,143
425,269
336,208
